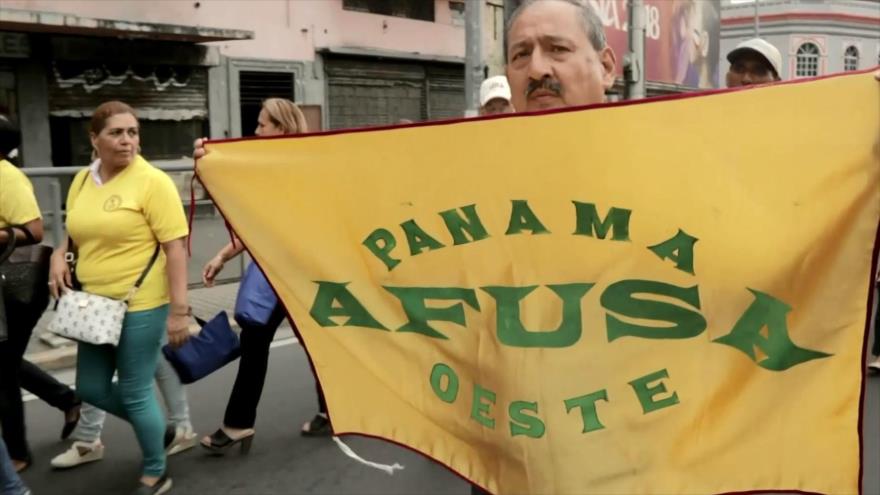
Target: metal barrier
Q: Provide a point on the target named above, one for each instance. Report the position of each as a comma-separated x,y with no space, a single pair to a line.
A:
55,215
56,212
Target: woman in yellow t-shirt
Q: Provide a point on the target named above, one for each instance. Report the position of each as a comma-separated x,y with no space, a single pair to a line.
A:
18,207
118,211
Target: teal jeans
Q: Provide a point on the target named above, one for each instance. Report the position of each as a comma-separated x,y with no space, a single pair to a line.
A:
132,398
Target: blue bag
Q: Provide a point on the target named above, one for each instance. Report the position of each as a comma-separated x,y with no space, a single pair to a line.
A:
256,300
213,348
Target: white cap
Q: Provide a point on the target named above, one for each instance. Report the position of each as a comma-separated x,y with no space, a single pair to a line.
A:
494,87
762,48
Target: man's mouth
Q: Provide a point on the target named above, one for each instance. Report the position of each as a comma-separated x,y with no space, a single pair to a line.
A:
543,93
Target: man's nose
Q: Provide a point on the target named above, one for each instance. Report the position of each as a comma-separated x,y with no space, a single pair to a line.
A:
747,77
539,65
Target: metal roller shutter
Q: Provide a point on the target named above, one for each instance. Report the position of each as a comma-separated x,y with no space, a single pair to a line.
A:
370,92
445,92
158,92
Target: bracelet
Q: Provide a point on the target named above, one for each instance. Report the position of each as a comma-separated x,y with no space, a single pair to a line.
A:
188,312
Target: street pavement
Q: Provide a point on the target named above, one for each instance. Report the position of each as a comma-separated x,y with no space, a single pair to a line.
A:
280,461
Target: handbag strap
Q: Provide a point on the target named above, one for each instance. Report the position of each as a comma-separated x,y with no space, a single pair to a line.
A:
140,280
12,241
10,244
71,246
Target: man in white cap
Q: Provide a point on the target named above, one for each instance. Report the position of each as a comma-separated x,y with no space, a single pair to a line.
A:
495,96
754,61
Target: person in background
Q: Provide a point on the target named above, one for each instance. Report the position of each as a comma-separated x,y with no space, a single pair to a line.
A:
179,435
495,96
874,366
10,481
753,61
18,207
120,211
277,117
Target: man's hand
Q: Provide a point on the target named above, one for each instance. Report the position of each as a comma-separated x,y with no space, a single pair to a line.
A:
211,270
199,148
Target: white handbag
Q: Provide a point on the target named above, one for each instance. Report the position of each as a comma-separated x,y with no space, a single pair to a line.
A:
91,318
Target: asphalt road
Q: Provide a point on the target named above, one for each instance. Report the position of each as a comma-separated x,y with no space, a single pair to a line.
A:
281,461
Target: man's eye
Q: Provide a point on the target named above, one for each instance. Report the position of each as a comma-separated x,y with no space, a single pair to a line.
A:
559,48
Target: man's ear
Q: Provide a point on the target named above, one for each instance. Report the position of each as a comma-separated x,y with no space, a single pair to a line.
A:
609,67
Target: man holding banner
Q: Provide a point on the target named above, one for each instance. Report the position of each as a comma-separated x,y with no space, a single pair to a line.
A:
607,301
557,56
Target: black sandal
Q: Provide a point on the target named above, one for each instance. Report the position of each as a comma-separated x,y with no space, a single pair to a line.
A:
319,426
71,418
220,442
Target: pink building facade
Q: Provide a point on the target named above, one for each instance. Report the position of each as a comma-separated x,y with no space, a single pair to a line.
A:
195,68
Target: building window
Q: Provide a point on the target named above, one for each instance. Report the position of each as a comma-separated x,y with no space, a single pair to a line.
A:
851,59
422,10
256,86
807,61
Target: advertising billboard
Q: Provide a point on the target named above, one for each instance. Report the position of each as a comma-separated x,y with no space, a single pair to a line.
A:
682,39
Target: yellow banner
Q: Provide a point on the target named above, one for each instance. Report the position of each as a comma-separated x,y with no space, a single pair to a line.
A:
655,298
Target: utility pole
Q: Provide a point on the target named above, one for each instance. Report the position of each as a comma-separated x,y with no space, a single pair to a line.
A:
757,21
634,60
473,65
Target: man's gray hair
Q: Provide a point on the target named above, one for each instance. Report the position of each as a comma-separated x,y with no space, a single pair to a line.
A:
590,20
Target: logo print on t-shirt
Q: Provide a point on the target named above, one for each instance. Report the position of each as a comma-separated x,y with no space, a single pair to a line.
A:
112,203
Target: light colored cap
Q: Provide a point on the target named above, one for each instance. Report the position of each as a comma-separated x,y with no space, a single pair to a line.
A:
763,48
494,87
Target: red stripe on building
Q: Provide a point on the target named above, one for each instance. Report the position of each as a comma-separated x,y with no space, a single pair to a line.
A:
804,16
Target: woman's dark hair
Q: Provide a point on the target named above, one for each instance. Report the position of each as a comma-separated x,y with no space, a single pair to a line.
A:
10,136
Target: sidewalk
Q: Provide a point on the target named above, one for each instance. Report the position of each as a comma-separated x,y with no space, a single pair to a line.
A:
51,352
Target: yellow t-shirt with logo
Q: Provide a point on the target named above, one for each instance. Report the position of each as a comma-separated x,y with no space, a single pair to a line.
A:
116,227
18,205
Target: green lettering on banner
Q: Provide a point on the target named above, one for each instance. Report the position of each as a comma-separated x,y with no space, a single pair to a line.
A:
523,218
479,409
679,249
646,393
450,393
589,223
458,225
330,293
418,239
413,301
781,353
619,298
383,251
587,405
509,324
522,423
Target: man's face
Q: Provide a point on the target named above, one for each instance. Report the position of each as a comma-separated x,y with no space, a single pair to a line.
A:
749,68
550,61
496,106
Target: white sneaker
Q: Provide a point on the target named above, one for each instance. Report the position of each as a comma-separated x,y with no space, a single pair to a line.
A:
79,453
184,439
